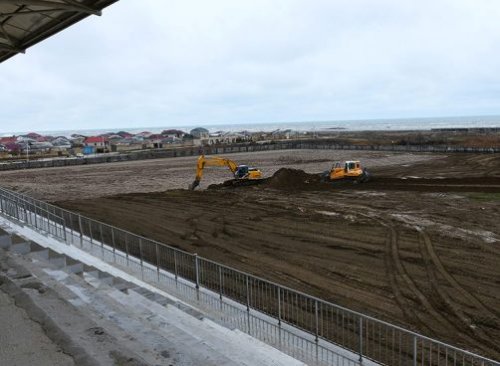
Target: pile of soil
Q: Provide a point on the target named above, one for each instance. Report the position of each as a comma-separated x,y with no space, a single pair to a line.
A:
293,179
286,179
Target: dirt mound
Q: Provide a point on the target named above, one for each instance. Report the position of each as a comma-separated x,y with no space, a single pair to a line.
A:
293,179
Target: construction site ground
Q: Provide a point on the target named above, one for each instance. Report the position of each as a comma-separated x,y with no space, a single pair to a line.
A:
418,246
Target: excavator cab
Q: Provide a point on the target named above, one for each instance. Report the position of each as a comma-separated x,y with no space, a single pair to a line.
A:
246,172
241,172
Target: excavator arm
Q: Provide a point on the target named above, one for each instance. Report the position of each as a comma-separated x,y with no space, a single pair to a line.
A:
211,161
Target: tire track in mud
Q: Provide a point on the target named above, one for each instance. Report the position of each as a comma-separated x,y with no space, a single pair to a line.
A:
394,262
393,255
395,268
432,264
400,299
451,280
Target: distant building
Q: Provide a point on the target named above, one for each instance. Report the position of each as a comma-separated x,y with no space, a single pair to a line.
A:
200,133
8,140
127,146
88,150
283,134
38,147
226,138
115,137
33,135
77,141
61,144
13,147
173,133
156,141
125,134
99,143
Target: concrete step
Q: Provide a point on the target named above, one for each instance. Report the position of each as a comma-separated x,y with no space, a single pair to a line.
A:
39,252
5,239
20,247
56,259
122,285
103,277
90,270
73,266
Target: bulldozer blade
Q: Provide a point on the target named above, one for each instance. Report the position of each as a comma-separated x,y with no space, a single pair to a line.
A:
365,177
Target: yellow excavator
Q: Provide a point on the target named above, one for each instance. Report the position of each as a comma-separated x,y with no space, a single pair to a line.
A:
243,174
347,170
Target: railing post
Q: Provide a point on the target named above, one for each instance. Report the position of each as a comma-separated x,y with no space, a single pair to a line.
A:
279,306
17,209
197,271
102,241
316,320
47,216
220,283
248,292
414,350
80,228
140,255
248,303
36,216
175,266
126,247
72,231
113,243
360,339
25,213
157,247
90,233
64,231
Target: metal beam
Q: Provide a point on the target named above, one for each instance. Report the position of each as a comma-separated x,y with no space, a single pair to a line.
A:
4,46
6,36
68,5
13,14
76,3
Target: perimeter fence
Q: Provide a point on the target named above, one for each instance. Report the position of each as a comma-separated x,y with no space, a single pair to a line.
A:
320,144
370,339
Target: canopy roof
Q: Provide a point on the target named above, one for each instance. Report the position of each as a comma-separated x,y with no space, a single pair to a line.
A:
24,23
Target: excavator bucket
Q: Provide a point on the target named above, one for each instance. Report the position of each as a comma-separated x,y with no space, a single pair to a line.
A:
193,185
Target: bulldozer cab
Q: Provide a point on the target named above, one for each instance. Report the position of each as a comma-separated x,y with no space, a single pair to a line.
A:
352,165
347,169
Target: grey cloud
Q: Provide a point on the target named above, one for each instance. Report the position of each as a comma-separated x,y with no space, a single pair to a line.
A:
155,62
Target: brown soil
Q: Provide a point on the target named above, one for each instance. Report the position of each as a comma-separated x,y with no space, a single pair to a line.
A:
423,252
90,181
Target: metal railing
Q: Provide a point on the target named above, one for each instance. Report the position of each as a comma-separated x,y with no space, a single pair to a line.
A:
322,327
36,214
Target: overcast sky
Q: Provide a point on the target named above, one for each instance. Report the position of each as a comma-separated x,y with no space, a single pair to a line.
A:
185,62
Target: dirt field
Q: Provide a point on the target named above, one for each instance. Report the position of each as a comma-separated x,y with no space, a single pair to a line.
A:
423,251
89,181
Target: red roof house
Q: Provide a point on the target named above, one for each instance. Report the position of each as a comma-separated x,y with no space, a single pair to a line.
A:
96,141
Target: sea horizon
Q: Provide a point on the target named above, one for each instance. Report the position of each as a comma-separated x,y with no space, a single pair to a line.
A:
392,124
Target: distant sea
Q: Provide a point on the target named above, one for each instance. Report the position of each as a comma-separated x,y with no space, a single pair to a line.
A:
341,125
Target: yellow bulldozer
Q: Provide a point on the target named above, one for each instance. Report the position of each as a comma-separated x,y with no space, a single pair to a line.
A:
347,170
243,174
